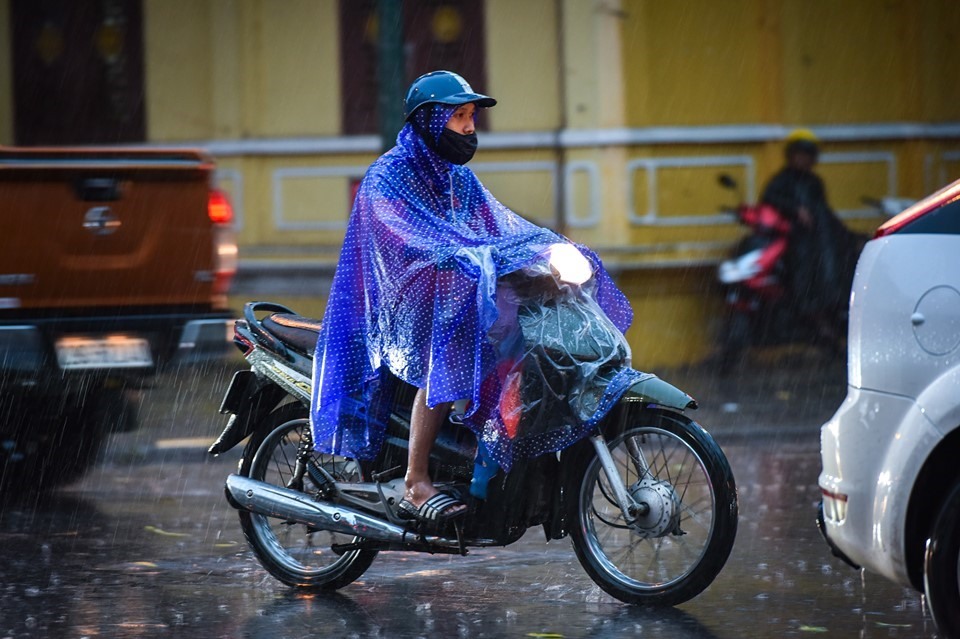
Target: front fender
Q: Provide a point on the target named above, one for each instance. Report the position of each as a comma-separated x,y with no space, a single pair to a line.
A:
654,390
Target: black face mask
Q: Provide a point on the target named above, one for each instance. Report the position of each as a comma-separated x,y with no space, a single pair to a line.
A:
456,148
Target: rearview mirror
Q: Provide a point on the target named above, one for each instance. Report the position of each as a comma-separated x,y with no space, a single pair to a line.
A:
726,181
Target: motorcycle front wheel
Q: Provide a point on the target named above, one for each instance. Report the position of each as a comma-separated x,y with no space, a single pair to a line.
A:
296,554
686,523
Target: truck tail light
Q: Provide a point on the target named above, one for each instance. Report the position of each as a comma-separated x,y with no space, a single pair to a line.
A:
218,207
224,244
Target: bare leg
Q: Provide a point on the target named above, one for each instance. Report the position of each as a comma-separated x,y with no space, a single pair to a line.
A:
424,425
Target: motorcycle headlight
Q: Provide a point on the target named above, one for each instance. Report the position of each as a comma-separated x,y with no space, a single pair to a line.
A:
569,264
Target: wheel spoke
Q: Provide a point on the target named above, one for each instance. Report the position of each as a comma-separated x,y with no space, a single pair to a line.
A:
666,459
607,492
681,543
691,506
654,558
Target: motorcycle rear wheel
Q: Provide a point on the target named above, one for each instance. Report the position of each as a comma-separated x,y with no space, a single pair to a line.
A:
296,554
679,547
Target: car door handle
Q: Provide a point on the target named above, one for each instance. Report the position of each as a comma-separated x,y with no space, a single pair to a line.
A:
917,319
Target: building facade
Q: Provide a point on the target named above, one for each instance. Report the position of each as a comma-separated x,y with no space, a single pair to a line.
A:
615,117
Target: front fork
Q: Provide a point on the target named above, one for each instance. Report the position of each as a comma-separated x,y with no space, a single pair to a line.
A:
632,510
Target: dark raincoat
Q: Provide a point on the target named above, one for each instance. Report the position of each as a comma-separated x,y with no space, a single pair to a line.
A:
819,264
415,296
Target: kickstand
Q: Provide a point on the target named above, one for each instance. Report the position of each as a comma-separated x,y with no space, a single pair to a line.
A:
458,526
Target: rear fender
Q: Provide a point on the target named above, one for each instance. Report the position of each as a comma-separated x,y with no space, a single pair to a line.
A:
250,399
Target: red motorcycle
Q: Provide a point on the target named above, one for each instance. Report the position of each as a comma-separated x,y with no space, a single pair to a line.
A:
754,281
762,309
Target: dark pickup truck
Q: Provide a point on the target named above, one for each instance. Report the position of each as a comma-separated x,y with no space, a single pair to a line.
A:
114,263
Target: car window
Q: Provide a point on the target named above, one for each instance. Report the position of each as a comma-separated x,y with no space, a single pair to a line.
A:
941,221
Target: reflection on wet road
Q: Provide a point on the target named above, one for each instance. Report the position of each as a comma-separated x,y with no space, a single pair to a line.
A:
146,546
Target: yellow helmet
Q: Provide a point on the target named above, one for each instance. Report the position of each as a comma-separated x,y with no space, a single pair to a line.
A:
802,141
802,135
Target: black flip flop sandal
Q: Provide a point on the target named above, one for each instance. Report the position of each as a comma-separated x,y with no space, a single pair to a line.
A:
434,512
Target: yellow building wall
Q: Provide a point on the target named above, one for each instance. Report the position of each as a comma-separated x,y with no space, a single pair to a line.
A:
694,63
841,60
294,202
592,64
226,69
296,67
939,61
241,68
177,70
593,98
791,61
676,315
524,181
522,63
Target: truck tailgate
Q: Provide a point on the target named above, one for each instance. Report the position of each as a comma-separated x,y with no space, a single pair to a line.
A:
87,228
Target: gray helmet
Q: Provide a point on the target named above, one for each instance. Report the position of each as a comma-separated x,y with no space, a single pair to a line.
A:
442,87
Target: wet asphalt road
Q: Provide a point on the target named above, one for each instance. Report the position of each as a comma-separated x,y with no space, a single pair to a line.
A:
145,546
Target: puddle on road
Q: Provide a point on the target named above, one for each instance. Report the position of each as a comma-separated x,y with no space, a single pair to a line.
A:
96,563
158,553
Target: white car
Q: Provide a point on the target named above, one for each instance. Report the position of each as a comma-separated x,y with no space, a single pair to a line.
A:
891,453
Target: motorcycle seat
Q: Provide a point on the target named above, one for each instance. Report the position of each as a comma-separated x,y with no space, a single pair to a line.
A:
297,332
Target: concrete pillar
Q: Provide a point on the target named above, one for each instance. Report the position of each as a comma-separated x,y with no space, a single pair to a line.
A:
593,88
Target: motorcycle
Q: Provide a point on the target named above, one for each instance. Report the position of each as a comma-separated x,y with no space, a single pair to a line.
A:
647,497
753,280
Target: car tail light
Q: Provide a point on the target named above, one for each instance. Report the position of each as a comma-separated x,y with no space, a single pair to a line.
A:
945,195
224,244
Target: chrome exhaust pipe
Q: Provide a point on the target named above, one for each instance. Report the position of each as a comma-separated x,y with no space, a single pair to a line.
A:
266,499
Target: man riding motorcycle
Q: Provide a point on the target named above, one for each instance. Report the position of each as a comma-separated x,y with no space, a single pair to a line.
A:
418,294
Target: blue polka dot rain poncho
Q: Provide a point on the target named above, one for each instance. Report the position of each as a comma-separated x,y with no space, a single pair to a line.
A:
422,293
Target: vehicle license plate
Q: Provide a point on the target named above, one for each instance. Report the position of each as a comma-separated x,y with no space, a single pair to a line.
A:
113,351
